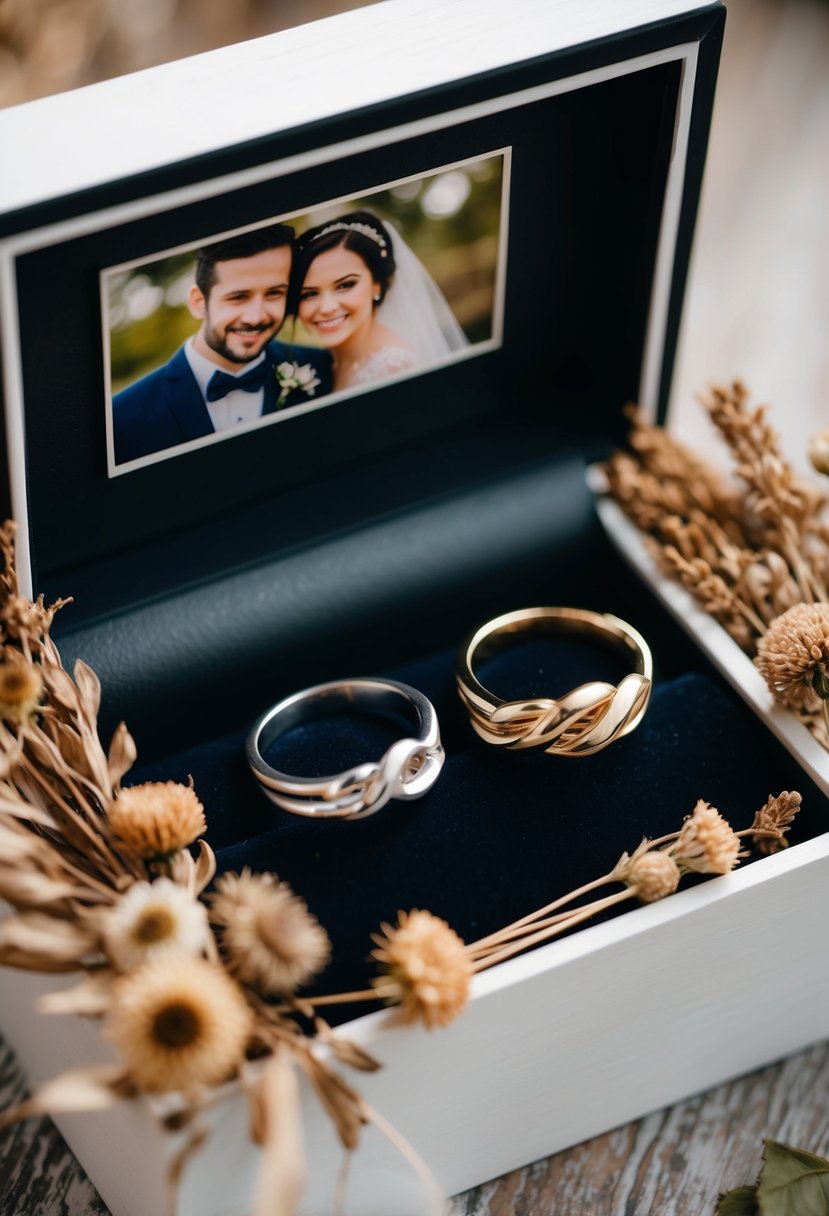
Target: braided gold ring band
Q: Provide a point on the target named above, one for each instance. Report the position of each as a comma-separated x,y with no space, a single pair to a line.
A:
578,723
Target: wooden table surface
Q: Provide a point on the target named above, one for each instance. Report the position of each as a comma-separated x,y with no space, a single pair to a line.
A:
758,306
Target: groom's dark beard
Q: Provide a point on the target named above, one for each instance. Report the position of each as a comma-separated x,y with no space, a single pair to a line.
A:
220,346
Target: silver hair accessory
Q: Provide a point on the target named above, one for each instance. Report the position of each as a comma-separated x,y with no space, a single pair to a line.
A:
408,769
363,229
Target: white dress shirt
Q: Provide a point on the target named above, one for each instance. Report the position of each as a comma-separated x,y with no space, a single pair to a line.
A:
238,406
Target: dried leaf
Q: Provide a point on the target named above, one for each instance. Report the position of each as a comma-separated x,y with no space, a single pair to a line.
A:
197,1137
276,1117
25,888
346,1051
61,687
344,1104
793,1181
90,998
96,1087
205,867
89,689
43,943
742,1201
122,754
70,745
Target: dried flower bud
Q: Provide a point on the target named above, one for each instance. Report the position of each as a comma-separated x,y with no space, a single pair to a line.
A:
179,1022
706,844
21,686
819,451
426,966
793,655
156,819
653,875
270,938
773,820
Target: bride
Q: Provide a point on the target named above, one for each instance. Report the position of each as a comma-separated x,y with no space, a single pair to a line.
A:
370,301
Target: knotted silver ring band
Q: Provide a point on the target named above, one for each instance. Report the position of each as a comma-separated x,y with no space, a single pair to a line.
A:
407,770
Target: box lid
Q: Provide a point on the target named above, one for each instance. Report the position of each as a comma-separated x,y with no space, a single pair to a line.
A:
545,171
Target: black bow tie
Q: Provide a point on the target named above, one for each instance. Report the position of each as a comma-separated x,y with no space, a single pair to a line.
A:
221,383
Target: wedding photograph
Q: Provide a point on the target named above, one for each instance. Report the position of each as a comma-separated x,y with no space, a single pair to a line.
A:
262,324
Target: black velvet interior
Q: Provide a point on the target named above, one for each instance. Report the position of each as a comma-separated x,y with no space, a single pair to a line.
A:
501,832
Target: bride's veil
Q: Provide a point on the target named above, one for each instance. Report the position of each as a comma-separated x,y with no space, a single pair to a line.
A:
416,309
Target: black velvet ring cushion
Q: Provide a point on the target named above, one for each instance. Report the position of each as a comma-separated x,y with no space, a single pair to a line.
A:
501,832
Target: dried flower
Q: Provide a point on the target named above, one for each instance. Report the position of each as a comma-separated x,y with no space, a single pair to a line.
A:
426,966
653,875
819,451
157,818
179,1022
793,655
153,919
270,938
706,843
21,686
773,820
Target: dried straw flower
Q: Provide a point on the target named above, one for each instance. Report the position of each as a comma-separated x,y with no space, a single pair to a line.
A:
153,919
270,939
653,875
179,1022
21,686
426,966
773,820
793,655
706,843
819,451
157,819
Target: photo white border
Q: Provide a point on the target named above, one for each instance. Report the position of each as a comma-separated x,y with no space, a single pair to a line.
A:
494,342
11,248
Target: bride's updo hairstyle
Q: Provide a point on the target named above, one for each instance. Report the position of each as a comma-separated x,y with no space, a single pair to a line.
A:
361,232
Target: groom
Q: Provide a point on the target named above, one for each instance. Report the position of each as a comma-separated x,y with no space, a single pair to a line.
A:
232,370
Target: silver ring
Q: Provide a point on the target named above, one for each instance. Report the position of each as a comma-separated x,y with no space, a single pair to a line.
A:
408,769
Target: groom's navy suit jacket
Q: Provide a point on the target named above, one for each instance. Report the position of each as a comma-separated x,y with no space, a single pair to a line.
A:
166,407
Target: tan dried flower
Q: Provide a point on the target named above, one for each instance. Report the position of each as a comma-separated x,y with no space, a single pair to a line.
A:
152,919
179,1022
425,964
773,820
270,938
157,818
706,844
653,875
21,686
819,451
793,656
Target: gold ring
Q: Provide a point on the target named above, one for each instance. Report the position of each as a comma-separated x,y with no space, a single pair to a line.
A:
578,723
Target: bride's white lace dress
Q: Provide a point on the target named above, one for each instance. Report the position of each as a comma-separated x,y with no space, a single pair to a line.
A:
385,362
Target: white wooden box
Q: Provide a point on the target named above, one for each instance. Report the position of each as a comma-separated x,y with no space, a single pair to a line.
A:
583,1034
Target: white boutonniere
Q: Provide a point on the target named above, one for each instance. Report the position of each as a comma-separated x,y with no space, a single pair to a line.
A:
290,376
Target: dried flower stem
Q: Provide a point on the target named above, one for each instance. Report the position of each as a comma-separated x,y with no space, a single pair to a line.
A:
535,939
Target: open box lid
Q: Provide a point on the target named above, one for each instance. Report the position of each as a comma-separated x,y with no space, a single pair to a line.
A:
545,168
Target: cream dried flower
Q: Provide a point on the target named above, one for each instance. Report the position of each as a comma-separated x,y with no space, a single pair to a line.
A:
152,919
773,820
793,655
21,686
653,875
269,937
157,818
706,843
425,968
178,1022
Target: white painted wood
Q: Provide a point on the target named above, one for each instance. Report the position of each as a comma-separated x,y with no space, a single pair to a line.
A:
556,1047
194,106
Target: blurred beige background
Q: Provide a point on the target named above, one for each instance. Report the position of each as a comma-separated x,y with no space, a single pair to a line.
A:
758,302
